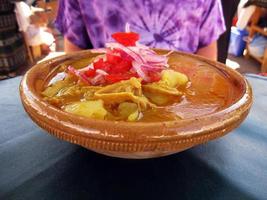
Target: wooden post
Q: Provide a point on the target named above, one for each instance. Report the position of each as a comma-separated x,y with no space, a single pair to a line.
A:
29,53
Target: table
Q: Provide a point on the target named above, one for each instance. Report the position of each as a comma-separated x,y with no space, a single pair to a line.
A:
35,165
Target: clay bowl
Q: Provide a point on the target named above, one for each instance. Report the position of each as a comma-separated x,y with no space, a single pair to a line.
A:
131,139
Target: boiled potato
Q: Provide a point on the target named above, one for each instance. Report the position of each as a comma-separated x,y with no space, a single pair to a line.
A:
133,117
128,111
173,78
90,109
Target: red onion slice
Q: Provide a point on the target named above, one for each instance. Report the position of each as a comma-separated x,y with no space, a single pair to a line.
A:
137,67
150,56
98,79
127,27
127,50
90,66
151,68
59,77
78,74
102,72
154,58
169,53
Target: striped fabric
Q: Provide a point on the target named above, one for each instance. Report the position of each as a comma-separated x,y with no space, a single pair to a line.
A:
12,49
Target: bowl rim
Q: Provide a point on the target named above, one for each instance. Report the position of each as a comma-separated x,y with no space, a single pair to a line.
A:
29,98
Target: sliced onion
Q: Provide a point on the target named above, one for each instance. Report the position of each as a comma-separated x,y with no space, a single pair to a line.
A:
169,53
151,68
147,51
78,74
72,70
142,56
144,59
150,56
59,77
138,68
127,27
112,53
155,58
127,50
97,58
98,79
102,72
90,66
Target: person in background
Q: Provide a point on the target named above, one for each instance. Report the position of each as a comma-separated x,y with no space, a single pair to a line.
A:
183,25
229,10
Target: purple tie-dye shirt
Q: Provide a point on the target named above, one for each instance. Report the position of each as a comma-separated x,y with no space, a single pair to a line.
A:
184,25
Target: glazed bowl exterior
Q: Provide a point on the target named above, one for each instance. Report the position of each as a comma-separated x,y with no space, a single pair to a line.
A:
130,139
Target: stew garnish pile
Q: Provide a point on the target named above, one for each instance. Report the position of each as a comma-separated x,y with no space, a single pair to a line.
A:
126,80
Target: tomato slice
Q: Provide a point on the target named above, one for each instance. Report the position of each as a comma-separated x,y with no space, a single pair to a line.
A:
98,64
101,64
126,39
123,67
154,76
90,73
113,78
113,59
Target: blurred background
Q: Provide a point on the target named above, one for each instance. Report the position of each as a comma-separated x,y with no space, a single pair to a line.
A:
28,35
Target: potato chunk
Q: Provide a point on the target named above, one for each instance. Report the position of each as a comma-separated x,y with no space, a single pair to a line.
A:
128,111
134,116
173,78
90,109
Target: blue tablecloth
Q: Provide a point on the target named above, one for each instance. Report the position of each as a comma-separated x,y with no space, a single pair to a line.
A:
35,165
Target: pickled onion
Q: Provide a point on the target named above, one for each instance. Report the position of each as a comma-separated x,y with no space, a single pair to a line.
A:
78,74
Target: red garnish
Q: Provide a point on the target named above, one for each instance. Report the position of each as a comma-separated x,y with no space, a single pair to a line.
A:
113,59
122,54
98,64
126,39
101,64
113,78
123,60
90,73
154,76
78,74
121,67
